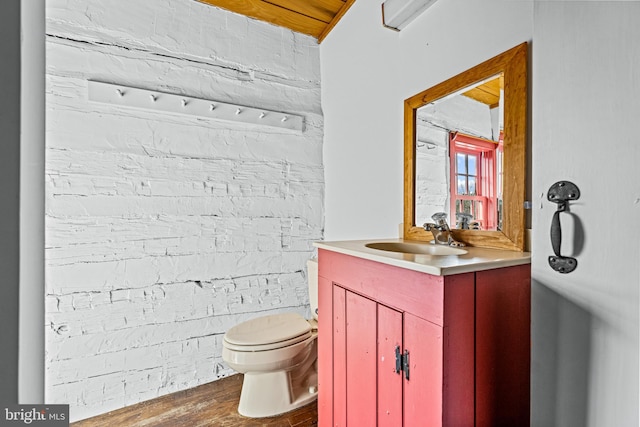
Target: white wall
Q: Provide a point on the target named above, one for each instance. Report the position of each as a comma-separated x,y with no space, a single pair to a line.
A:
585,63
367,73
586,75
163,231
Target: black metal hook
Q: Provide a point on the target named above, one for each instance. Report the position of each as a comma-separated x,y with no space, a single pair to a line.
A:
561,193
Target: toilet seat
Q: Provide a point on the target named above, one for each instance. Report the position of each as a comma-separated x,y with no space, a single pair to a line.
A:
268,333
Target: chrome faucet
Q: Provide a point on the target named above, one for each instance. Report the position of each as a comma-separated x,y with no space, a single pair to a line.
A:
440,229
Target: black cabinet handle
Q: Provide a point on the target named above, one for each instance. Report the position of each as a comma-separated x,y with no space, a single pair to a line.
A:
561,193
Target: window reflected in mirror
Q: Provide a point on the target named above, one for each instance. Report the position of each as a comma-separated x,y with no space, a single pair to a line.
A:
459,152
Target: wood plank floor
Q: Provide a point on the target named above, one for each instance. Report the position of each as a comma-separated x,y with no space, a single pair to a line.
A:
214,404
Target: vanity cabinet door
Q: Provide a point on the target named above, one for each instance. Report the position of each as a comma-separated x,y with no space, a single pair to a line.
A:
361,360
369,389
354,359
389,378
411,396
423,388
338,357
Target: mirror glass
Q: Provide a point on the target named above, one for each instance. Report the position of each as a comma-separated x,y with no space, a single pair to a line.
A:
465,154
458,157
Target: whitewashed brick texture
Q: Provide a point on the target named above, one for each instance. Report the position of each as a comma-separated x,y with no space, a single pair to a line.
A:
163,231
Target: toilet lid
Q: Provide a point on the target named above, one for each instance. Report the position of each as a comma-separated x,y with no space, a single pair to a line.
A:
269,330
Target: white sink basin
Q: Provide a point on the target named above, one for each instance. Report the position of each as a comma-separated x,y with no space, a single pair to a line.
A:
416,248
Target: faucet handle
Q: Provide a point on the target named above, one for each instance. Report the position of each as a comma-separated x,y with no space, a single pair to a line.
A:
438,216
463,219
441,220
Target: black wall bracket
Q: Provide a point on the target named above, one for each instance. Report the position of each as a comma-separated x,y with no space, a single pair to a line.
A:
561,193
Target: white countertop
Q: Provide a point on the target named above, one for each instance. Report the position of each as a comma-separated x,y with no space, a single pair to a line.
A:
476,259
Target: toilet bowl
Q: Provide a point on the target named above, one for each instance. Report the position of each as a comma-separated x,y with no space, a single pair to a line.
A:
277,354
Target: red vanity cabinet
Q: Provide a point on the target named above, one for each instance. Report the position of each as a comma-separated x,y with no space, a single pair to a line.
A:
397,347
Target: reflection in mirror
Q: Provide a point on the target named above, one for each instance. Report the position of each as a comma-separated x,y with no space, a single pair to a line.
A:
465,154
459,157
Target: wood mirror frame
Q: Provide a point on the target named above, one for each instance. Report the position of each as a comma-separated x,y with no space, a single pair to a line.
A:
513,63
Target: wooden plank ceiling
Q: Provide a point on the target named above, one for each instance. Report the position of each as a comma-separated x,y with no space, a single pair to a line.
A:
488,92
313,17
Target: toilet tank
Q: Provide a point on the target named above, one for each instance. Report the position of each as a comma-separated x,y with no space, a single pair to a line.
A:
312,277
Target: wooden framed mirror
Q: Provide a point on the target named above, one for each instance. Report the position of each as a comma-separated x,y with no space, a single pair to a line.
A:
480,178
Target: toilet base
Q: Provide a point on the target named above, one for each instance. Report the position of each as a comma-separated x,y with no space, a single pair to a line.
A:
265,394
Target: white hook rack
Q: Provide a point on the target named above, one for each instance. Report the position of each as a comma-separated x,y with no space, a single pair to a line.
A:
126,96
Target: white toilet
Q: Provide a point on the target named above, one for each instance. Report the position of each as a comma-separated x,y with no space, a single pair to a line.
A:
277,355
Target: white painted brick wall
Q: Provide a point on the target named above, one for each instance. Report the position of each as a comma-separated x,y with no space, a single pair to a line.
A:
163,231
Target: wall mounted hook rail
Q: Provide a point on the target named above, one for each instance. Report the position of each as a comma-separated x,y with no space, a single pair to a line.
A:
126,96
561,193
